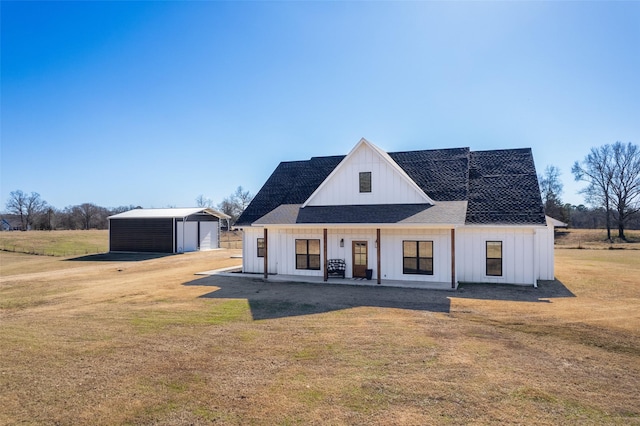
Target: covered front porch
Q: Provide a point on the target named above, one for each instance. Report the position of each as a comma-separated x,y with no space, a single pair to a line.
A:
426,285
377,253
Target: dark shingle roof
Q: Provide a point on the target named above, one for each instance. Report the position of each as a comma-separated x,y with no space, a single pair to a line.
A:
441,173
292,182
501,186
443,212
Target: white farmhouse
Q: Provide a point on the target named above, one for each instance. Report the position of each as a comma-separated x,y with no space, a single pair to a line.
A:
437,217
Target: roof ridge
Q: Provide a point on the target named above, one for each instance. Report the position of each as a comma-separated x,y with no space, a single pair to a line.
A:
501,150
488,179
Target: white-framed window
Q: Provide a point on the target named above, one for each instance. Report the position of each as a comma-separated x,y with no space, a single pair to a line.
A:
308,254
365,181
494,258
260,245
417,257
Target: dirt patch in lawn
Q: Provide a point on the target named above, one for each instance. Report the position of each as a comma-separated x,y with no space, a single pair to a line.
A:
117,341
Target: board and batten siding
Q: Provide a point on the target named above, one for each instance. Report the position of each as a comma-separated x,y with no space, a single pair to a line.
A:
334,251
281,255
251,263
519,265
391,254
388,186
544,246
285,250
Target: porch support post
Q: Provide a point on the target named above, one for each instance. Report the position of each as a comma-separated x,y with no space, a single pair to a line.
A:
324,235
266,255
453,258
378,244
535,259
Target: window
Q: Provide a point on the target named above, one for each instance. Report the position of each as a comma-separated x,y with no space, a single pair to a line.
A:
494,258
308,254
417,257
365,181
260,247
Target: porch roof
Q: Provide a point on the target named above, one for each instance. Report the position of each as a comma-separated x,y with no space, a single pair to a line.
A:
442,213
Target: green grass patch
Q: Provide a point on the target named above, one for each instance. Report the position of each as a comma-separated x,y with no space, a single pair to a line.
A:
229,311
365,397
56,243
311,396
215,415
534,394
308,353
22,303
19,296
225,312
174,386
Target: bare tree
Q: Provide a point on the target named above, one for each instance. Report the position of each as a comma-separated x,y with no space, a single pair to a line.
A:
613,175
242,199
46,219
625,183
26,206
235,204
597,170
551,189
122,209
87,212
202,201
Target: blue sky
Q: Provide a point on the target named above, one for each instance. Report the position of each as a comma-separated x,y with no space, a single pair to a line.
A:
155,103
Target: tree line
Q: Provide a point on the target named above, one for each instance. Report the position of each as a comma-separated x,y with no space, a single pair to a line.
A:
29,211
26,211
612,195
612,175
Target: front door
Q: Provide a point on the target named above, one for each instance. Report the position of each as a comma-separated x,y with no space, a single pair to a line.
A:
359,259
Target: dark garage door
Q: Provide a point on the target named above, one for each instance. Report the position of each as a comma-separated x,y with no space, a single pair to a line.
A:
141,235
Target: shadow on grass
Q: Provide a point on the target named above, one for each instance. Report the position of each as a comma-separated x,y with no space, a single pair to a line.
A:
118,257
546,290
270,300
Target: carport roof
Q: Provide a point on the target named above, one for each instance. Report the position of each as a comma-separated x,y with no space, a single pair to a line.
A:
167,213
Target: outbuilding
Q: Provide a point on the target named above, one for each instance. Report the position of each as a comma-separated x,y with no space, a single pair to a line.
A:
165,230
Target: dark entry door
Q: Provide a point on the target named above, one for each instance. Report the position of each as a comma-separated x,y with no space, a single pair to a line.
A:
359,259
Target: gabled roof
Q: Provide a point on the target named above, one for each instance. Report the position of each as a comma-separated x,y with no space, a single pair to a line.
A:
292,182
501,186
167,213
386,159
442,173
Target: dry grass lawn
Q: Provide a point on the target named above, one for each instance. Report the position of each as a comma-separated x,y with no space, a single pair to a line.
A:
56,243
596,239
75,243
142,340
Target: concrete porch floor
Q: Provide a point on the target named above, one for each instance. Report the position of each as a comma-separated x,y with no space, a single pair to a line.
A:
235,272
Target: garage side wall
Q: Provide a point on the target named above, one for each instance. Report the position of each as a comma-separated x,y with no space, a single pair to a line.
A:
141,235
